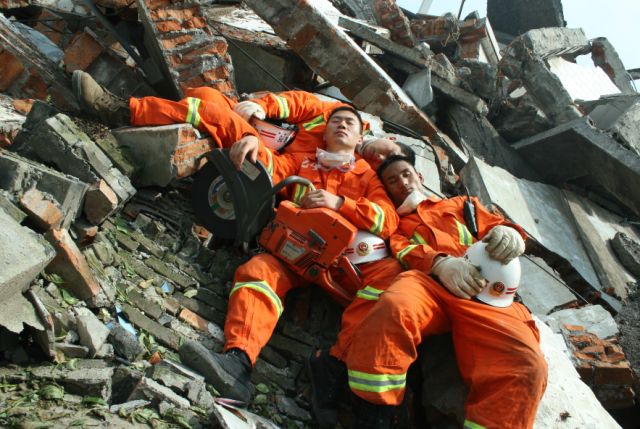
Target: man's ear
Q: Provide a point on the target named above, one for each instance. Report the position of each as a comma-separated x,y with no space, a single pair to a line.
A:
421,178
360,140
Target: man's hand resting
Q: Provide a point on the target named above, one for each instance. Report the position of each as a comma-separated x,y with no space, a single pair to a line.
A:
321,198
246,146
459,276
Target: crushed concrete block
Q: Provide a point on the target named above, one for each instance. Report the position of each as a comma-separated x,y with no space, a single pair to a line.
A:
593,318
163,153
45,212
230,417
84,232
202,308
170,272
18,174
23,255
85,380
289,407
118,155
628,252
148,389
519,118
124,343
47,337
72,351
517,17
71,265
541,288
8,206
604,55
418,87
93,334
163,335
59,141
577,150
100,202
129,406
264,372
182,380
482,77
289,347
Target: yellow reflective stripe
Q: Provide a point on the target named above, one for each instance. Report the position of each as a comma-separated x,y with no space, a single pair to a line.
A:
369,293
270,162
378,220
193,117
401,254
283,107
298,192
468,424
263,288
376,382
318,120
417,239
464,235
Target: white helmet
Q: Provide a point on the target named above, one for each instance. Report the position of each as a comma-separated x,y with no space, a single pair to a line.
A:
503,279
366,247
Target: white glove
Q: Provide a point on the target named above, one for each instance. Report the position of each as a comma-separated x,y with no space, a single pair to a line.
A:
504,243
459,276
247,109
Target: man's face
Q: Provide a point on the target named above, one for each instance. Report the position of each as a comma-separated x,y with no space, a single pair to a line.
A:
342,133
379,150
400,179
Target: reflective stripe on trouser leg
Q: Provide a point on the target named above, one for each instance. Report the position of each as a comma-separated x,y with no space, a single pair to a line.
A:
378,383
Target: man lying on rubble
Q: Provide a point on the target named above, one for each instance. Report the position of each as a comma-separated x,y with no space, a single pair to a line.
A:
343,184
200,105
497,348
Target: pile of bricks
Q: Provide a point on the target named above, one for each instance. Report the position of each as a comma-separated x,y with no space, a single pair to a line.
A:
188,47
603,367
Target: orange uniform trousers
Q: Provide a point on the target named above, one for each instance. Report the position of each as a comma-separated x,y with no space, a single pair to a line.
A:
497,351
257,300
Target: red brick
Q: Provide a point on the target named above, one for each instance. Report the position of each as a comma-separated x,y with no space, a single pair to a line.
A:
81,52
581,341
194,320
23,105
214,74
619,374
71,265
195,22
583,356
46,214
585,370
173,42
100,202
35,87
166,26
10,69
176,14
595,350
171,305
573,327
155,4
85,232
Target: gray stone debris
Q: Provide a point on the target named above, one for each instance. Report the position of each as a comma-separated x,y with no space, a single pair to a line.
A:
124,343
628,252
593,318
93,334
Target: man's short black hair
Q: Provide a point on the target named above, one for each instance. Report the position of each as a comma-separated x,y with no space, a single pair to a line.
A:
392,160
407,152
348,109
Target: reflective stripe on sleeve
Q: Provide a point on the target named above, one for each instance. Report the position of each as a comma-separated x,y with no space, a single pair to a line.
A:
468,424
298,192
376,382
369,293
466,239
269,162
417,239
193,117
401,254
263,288
283,107
318,120
378,220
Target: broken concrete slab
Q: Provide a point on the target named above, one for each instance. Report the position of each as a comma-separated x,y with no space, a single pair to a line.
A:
517,118
18,174
164,335
621,118
163,153
148,389
577,150
23,255
582,82
230,417
593,318
604,55
93,334
309,33
460,96
9,206
542,211
541,288
517,17
628,252
87,379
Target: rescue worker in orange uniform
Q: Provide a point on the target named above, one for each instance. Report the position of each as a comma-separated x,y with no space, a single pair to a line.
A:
497,349
201,108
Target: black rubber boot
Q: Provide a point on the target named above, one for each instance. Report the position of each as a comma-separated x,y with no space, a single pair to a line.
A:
328,377
99,102
374,416
229,373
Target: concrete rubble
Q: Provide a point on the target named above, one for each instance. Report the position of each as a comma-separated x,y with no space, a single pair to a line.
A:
105,269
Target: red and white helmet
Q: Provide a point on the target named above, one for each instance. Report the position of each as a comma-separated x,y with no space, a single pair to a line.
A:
366,247
503,280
